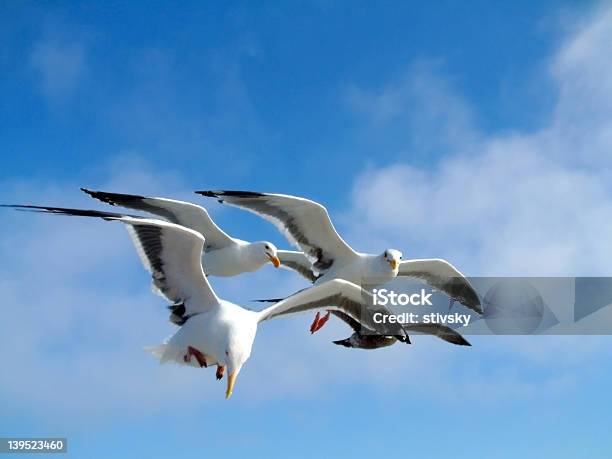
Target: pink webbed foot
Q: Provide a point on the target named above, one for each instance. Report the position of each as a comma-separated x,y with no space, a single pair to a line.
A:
319,321
220,371
193,352
313,326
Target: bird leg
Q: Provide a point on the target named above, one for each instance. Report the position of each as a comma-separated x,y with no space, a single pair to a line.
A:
315,322
323,320
319,321
220,370
192,351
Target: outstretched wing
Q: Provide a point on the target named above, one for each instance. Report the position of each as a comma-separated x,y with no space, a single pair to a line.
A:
305,223
298,262
440,274
336,295
171,253
179,212
441,331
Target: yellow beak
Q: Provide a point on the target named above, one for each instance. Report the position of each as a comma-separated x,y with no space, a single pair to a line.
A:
393,264
231,380
275,261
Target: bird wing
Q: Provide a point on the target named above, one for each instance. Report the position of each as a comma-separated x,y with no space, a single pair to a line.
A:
441,331
440,274
179,212
298,262
305,223
335,295
356,326
171,253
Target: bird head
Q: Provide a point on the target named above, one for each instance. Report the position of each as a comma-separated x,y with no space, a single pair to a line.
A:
235,361
268,251
393,257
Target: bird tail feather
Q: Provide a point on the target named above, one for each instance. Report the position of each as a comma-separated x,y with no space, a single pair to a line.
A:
168,353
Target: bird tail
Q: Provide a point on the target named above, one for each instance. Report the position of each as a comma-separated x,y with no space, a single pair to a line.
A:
170,353
158,351
167,353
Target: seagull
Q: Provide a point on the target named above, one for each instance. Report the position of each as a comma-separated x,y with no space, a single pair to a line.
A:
368,339
307,225
223,255
214,331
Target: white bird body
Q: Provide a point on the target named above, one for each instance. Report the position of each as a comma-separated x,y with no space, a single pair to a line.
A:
227,326
232,260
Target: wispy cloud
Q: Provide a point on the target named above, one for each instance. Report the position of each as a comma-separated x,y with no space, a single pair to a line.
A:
520,203
60,64
420,106
506,204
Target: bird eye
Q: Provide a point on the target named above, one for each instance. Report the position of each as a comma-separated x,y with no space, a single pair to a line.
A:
267,247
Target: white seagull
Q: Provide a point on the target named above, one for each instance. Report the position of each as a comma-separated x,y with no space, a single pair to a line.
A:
223,255
308,226
214,331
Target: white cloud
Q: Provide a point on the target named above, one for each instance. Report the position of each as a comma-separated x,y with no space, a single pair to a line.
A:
421,105
60,65
534,203
504,204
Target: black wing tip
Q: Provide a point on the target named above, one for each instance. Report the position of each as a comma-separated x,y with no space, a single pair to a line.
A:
269,300
474,304
343,342
12,206
114,199
208,193
404,339
229,193
66,211
474,301
33,208
457,340
93,193
467,296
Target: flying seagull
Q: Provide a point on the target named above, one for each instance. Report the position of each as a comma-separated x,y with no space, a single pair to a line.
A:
223,255
308,226
214,331
371,339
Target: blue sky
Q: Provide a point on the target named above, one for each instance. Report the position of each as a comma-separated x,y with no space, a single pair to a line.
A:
473,131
